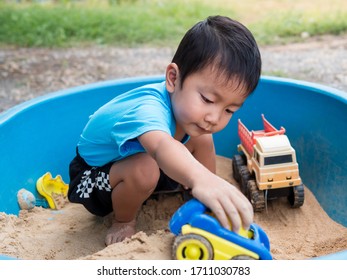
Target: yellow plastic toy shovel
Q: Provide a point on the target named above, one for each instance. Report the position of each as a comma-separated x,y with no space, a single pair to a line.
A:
48,187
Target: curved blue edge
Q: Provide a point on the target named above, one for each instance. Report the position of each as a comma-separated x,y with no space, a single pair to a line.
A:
7,258
321,89
342,255
184,214
33,133
40,100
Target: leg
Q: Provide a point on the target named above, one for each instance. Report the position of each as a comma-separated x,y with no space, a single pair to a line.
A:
202,148
132,180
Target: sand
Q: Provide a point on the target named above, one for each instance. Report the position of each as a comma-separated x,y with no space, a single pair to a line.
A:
72,233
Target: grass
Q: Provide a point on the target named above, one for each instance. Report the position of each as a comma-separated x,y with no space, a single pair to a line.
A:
161,23
295,25
125,24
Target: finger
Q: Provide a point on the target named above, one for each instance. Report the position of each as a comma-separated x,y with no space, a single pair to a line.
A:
245,210
233,214
221,215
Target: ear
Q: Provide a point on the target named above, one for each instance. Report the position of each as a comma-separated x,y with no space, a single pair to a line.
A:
172,77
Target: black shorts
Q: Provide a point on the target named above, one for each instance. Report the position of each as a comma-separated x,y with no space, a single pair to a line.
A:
90,186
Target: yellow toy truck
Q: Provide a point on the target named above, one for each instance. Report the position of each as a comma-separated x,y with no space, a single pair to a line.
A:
266,166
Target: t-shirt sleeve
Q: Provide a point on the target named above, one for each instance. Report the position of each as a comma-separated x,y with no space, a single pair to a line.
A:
138,120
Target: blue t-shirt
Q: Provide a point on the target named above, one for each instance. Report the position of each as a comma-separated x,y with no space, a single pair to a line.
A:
111,132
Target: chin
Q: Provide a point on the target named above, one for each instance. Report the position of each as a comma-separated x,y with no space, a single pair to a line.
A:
196,134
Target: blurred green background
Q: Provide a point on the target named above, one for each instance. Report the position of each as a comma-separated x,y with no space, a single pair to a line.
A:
67,23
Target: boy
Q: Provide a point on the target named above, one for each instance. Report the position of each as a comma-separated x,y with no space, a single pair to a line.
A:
160,135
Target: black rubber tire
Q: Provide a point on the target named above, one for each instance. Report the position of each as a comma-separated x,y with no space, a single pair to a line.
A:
237,161
297,196
257,197
243,257
245,177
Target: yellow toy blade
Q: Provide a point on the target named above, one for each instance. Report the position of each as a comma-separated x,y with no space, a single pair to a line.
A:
48,186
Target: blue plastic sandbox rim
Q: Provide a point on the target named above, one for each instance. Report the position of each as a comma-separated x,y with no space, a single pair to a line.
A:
325,90
22,107
6,258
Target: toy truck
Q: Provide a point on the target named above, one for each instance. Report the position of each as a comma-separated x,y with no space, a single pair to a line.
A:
199,236
266,166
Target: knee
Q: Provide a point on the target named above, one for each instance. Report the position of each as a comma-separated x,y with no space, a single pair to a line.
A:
145,174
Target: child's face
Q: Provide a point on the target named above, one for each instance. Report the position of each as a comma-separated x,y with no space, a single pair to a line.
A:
205,103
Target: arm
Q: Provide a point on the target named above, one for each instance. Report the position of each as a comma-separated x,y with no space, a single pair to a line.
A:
224,199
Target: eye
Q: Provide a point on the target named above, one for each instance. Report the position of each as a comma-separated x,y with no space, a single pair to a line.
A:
205,99
232,110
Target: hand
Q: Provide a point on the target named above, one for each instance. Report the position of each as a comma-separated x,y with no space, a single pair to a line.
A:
223,199
226,201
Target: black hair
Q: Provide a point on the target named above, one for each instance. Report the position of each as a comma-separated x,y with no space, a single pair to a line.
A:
227,45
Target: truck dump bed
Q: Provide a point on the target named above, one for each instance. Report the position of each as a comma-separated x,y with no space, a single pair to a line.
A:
247,137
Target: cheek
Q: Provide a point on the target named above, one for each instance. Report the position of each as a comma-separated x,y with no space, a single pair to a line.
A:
181,111
185,112
223,123
186,108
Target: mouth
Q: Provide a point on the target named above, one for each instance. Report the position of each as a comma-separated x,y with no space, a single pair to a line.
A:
205,130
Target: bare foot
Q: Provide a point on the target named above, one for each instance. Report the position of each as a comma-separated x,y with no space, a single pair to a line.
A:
119,231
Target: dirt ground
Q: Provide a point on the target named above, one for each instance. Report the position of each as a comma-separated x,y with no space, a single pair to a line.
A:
73,233
26,73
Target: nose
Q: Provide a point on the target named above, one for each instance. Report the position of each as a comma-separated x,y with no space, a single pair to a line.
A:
212,118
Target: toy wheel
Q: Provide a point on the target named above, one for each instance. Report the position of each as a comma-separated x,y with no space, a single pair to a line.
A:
245,177
256,196
242,257
297,196
237,161
192,247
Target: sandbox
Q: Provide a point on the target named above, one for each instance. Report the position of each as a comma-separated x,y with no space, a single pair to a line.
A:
40,135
